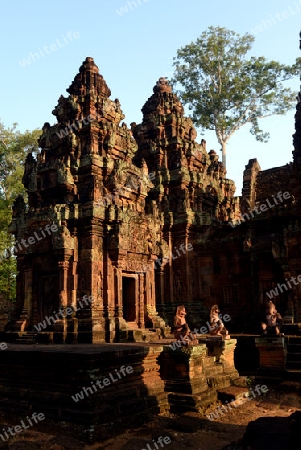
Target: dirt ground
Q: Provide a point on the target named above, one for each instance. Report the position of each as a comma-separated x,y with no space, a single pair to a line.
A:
190,430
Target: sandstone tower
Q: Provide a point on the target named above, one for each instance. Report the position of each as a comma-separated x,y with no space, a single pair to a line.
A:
131,208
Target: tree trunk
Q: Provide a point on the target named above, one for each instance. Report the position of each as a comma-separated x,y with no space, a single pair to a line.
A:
224,146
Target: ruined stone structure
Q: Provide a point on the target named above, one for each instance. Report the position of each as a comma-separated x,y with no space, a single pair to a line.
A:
130,206
146,219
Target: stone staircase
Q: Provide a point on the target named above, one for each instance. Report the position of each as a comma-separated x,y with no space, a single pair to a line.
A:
131,334
18,322
293,356
27,337
138,335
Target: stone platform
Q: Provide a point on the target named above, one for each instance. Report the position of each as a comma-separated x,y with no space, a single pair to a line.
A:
96,391
193,375
272,352
44,378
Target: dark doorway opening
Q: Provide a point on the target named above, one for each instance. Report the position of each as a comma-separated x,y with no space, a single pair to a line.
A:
48,301
129,299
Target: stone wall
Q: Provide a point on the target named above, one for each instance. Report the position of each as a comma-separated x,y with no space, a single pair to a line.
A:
271,181
128,203
7,311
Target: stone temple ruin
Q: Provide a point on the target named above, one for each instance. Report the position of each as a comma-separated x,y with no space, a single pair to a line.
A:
142,220
146,219
132,207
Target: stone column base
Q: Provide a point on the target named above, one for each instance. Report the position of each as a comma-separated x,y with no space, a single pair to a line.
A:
272,353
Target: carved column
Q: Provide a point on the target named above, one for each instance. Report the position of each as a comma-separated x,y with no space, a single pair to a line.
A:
28,290
171,274
150,285
74,286
189,292
118,290
297,305
159,275
140,305
63,281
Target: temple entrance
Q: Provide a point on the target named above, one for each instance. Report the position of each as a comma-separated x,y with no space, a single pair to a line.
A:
48,296
129,299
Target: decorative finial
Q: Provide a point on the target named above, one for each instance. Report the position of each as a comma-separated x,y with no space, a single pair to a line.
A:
162,85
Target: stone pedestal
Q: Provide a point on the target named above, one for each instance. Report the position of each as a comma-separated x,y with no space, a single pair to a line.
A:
272,353
223,351
192,376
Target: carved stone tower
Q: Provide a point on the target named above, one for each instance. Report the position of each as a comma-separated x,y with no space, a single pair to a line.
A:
130,215
190,191
84,181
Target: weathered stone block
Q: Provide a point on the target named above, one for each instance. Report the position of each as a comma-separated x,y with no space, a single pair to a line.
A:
192,377
52,375
272,352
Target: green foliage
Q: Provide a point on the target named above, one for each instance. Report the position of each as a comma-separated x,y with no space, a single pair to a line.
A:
7,264
225,90
14,147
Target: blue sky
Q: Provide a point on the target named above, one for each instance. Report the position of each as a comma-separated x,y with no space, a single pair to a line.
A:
133,47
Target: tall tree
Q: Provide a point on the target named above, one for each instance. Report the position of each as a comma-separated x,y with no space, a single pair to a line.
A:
14,147
225,90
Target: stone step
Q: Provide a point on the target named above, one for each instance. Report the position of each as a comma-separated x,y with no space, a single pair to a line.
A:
294,340
219,381
169,336
293,374
28,337
181,402
293,365
231,393
151,336
26,341
159,323
211,366
132,326
294,348
138,335
209,361
216,370
293,356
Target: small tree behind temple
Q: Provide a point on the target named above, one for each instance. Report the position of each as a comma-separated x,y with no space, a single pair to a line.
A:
225,90
14,147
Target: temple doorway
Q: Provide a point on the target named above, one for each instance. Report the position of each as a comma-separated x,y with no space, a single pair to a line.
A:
129,298
48,296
